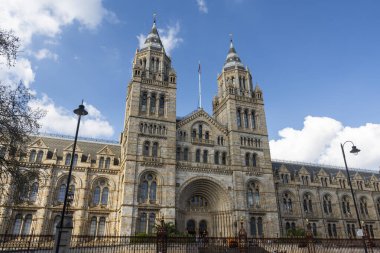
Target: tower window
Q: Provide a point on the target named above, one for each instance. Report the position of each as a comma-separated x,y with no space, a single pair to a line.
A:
246,118
198,155
238,117
153,103
161,104
253,119
200,131
144,99
205,156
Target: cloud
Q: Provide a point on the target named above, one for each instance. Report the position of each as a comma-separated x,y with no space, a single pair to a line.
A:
62,121
45,54
22,71
202,6
319,141
169,37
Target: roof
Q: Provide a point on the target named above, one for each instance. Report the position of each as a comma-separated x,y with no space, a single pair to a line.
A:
232,58
153,39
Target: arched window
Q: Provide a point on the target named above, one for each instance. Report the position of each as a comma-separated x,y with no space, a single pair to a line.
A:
363,206
153,103
253,119
100,192
327,208
27,225
205,156
161,104
61,193
378,205
307,203
207,135
33,192
152,221
144,99
247,157
75,160
2,151
287,203
101,162
17,224
40,155
260,226
198,156
101,226
108,163
146,148
96,196
178,153
200,131
216,157
148,188
68,159
287,226
32,156
105,196
143,222
185,154
56,221
238,117
254,160
224,158
252,226
246,118
155,149
253,195
194,133
93,225
346,205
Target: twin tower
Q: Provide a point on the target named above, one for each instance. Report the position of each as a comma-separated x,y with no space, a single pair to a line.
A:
201,172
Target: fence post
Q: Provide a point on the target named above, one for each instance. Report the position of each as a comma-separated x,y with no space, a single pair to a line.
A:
64,233
243,241
162,238
367,239
309,239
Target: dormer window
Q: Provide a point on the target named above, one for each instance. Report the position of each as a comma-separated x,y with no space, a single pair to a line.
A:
68,159
108,163
40,155
32,156
101,162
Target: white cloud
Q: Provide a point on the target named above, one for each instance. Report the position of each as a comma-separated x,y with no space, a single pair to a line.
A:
202,6
169,37
22,71
319,141
62,121
45,54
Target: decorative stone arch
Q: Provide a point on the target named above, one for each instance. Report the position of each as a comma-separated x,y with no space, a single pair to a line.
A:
159,182
77,182
217,212
109,183
254,186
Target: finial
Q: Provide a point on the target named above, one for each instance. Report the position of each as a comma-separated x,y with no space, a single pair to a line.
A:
154,17
231,37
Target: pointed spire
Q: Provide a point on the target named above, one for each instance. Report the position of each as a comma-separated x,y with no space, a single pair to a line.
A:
153,38
233,58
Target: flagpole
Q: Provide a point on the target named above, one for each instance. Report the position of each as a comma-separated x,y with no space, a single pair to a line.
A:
199,85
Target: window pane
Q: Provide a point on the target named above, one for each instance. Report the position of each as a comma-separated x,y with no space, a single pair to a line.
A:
102,226
68,159
61,193
34,192
27,224
153,188
96,198
105,196
39,156
57,220
93,226
17,224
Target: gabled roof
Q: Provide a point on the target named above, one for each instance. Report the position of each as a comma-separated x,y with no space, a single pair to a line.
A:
200,113
38,143
106,151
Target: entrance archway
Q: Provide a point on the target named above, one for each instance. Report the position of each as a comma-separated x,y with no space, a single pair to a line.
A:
204,203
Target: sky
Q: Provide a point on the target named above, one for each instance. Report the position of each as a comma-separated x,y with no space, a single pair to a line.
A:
317,62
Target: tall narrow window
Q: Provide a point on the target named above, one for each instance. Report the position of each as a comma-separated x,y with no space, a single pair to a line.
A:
56,221
198,156
101,226
260,226
254,160
178,153
144,99
253,227
224,158
148,188
105,196
153,103
101,162
205,156
153,191
253,195
216,157
200,131
142,227
27,225
152,221
68,159
108,163
40,155
32,156
246,118
75,160
33,192
93,226
327,208
146,148
253,119
61,193
162,104
185,154
247,156
238,117
17,224
207,135
96,197
155,149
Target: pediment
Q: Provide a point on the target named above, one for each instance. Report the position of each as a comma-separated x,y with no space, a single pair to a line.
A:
70,148
304,171
340,175
374,178
201,115
322,173
283,169
357,176
38,143
105,151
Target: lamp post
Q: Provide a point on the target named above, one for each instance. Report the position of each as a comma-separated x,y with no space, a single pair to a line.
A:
80,111
354,151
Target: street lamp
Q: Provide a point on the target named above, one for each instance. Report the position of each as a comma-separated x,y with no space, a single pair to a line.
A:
80,111
355,151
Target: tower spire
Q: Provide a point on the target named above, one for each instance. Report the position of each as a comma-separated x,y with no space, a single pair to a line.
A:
199,86
233,58
153,39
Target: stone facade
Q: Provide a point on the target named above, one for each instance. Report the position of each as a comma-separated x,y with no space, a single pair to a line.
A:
202,172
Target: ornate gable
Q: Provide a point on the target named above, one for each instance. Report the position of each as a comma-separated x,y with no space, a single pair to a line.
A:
39,143
198,115
283,169
106,151
304,171
70,148
322,173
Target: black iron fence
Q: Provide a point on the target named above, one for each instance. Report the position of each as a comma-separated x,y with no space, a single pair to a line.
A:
133,244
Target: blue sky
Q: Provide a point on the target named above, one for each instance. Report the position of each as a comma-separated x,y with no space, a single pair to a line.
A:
311,58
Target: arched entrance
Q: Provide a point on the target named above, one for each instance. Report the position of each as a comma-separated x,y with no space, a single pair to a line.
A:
203,206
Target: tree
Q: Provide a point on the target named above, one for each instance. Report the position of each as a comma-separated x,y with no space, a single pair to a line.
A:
18,121
9,44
